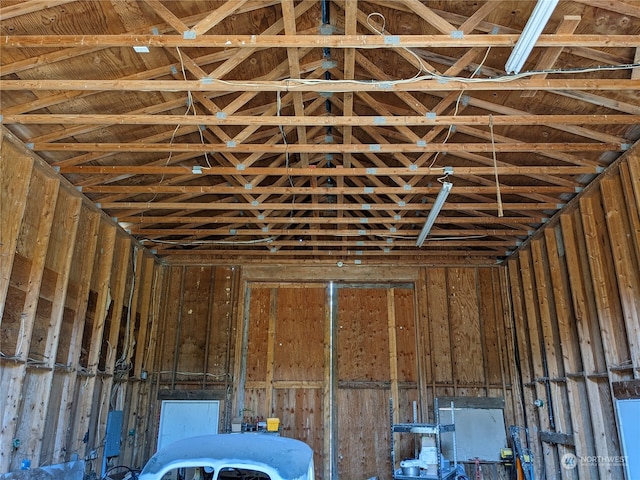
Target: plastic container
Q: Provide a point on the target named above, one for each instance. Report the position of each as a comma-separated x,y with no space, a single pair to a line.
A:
273,424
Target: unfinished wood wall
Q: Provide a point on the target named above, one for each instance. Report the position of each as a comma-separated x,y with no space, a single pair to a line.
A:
75,320
326,348
575,291
85,312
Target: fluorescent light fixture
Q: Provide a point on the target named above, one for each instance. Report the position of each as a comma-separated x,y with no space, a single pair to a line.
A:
433,214
141,49
529,36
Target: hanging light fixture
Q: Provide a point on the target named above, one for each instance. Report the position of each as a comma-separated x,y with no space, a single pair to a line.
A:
435,210
529,36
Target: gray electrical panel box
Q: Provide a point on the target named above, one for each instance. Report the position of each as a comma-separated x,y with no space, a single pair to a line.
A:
114,430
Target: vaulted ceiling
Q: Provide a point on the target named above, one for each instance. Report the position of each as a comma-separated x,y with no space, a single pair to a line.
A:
322,130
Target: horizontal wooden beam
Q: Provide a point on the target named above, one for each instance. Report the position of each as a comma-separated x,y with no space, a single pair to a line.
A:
626,389
361,245
333,172
319,207
328,147
232,190
182,394
331,121
127,221
328,86
439,254
313,41
353,233
556,438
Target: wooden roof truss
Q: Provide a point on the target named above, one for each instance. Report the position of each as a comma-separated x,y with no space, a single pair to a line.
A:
321,130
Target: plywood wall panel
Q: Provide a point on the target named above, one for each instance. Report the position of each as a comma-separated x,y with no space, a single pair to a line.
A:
438,321
259,312
299,336
489,319
222,330
255,404
301,415
171,313
363,348
363,433
466,338
405,333
194,319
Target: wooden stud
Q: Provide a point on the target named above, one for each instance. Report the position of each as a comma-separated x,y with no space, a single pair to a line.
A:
531,325
14,187
424,347
33,241
568,347
591,346
605,286
118,286
393,353
36,392
626,263
329,464
100,286
82,269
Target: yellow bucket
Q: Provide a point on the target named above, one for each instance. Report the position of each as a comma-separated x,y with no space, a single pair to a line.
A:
273,424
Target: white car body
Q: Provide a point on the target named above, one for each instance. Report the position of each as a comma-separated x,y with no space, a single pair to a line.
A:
278,457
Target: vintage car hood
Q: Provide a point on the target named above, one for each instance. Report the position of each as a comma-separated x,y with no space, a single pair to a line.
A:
279,457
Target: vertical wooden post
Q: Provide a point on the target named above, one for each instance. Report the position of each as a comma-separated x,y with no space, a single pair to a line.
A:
85,392
626,264
271,338
82,263
329,468
15,174
34,236
393,353
37,388
569,350
118,287
139,347
555,403
523,344
591,352
423,346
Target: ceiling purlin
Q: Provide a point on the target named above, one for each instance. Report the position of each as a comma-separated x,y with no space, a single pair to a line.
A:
520,223
600,100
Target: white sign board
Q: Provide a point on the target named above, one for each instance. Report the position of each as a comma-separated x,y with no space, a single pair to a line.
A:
480,433
187,418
